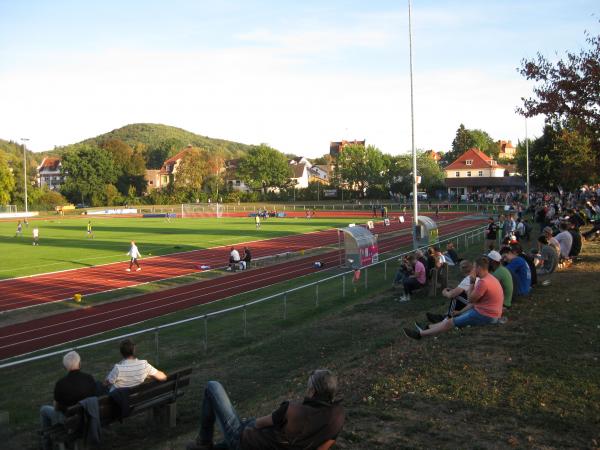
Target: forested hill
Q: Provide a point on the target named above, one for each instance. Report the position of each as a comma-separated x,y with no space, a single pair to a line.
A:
158,142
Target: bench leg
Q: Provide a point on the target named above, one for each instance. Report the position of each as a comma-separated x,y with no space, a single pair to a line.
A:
172,414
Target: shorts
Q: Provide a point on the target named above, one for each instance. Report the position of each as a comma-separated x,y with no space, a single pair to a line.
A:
473,318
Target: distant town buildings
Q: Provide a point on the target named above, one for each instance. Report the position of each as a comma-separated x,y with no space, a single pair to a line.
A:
335,148
433,155
49,173
507,150
476,171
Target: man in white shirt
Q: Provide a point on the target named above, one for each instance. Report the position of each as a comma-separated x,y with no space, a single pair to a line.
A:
134,254
565,240
234,259
131,371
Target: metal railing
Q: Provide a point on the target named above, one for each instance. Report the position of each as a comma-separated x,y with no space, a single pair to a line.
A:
467,238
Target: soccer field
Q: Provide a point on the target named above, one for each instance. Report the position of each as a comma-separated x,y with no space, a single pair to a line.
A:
64,243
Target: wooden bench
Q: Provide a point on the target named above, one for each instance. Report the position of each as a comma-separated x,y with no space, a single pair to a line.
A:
159,398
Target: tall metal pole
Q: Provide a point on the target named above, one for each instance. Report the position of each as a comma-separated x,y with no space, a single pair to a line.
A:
412,129
25,172
527,163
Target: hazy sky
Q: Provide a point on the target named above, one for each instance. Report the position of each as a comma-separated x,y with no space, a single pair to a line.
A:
293,74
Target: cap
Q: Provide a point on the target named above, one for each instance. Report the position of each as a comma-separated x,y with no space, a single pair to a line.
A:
494,256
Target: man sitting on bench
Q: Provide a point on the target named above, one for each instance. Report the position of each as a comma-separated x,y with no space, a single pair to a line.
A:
234,259
312,424
131,371
68,391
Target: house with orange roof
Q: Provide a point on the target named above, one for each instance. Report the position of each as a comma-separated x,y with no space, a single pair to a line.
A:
474,171
49,173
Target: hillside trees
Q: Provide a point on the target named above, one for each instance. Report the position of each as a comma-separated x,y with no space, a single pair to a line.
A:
88,171
7,181
264,167
129,164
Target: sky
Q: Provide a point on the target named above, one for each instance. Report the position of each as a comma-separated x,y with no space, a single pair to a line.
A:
293,74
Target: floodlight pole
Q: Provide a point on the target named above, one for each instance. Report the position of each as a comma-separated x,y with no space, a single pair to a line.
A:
527,163
412,130
25,172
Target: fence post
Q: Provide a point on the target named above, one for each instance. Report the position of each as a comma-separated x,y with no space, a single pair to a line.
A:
385,270
285,306
343,286
466,241
366,277
317,295
205,334
156,345
245,322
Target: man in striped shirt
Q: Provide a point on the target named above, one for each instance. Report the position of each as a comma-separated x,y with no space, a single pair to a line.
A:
131,371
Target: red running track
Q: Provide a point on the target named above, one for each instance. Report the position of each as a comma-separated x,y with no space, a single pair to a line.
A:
39,289
65,327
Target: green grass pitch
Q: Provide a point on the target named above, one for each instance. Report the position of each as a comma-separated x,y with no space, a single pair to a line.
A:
64,243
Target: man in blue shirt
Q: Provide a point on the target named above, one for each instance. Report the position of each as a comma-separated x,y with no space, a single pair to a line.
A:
519,268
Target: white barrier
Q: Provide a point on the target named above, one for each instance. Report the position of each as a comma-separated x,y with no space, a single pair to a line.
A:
112,211
18,215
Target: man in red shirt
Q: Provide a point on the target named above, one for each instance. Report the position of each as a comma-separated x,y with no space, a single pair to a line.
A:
485,304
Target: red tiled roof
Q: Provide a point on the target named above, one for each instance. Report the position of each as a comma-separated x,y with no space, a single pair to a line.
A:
178,156
480,161
49,163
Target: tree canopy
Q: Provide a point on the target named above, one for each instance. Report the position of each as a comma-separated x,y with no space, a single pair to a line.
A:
88,170
264,167
466,139
7,181
567,93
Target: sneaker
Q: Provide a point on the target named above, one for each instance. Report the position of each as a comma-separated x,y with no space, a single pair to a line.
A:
127,270
420,327
402,299
138,269
413,334
434,318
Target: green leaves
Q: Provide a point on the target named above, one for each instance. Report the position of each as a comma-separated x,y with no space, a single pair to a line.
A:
264,167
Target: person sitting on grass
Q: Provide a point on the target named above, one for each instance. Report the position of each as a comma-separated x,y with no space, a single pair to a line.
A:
546,257
313,424
416,280
552,242
457,296
485,304
519,268
503,275
68,391
131,371
565,240
404,270
451,254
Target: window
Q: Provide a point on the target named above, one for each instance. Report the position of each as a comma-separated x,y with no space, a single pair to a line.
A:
237,182
469,173
457,174
469,162
481,173
492,162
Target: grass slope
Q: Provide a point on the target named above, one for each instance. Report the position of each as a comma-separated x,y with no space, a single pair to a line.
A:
531,383
64,243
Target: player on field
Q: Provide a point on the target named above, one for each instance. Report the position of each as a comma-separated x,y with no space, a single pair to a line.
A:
134,254
19,229
36,235
90,233
257,221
